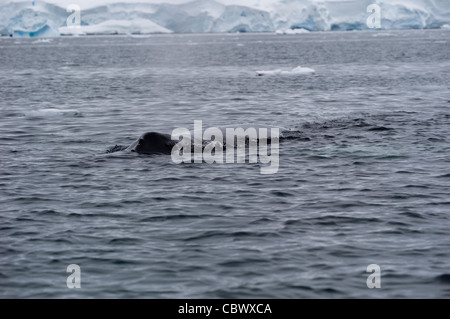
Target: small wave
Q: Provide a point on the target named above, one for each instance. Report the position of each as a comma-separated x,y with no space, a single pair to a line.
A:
12,114
124,241
334,220
380,128
295,71
294,134
115,148
53,112
173,217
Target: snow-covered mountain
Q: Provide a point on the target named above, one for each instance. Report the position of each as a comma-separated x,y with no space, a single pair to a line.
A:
40,18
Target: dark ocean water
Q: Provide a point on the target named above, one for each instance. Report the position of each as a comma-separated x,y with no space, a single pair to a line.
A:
367,183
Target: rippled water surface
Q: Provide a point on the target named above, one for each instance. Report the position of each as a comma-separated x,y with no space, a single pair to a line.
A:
366,180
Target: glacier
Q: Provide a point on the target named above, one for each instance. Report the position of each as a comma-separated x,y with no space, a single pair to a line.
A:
49,18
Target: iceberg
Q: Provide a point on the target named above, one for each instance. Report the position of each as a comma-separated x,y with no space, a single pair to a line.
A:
29,19
48,18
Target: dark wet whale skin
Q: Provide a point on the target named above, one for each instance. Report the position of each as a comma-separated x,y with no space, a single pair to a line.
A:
152,143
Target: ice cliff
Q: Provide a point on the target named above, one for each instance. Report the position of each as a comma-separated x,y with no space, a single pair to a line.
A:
45,19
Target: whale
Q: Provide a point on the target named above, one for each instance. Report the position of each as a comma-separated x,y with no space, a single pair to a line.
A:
152,143
159,143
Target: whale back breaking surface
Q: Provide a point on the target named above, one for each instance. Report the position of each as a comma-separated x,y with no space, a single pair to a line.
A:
158,143
152,143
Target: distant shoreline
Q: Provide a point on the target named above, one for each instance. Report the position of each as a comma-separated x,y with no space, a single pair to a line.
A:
143,35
